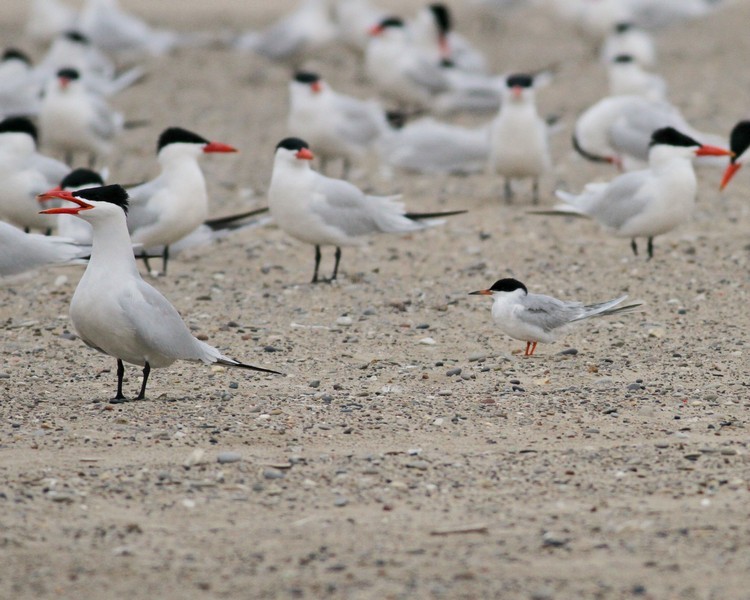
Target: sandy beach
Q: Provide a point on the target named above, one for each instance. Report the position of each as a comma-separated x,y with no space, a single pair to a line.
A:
411,451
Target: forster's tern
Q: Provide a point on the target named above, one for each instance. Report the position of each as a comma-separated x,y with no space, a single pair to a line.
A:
739,142
534,318
322,211
645,203
519,147
113,309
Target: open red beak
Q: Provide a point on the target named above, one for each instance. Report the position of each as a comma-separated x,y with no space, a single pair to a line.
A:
732,168
218,147
63,210
304,154
481,293
713,151
48,195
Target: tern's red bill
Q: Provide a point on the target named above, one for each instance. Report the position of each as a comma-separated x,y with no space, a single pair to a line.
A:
63,210
218,147
713,151
304,154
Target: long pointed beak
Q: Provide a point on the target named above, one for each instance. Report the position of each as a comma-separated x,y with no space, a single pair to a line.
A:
481,293
713,151
218,147
304,154
63,210
731,169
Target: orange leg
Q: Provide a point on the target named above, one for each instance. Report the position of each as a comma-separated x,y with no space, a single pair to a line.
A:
528,345
533,347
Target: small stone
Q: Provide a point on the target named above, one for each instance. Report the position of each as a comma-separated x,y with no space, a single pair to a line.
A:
344,321
428,341
452,372
635,386
419,465
271,473
477,357
423,326
228,457
728,451
552,540
270,349
315,383
445,393
341,501
233,385
569,352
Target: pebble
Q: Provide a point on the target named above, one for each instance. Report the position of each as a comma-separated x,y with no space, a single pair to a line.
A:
344,321
419,465
477,357
228,457
423,326
553,540
728,451
445,393
569,352
369,312
271,473
233,385
452,372
315,383
270,349
341,501
428,341
635,386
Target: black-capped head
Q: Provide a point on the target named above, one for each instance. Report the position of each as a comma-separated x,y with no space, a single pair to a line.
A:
306,77
77,37
442,16
81,177
68,73
293,144
390,22
508,285
519,80
18,125
15,54
502,285
623,59
178,135
623,27
114,194
669,136
739,139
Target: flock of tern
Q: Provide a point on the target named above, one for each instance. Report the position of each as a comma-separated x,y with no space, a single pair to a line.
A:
58,113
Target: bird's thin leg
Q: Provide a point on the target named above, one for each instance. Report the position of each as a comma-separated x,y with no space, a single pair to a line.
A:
146,371
317,264
508,190
165,259
48,231
120,374
533,347
27,229
526,352
535,192
346,167
634,246
336,264
650,248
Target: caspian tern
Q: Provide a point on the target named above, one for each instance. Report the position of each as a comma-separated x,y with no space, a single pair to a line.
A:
322,211
627,77
68,225
19,86
534,318
430,146
20,251
337,126
519,146
294,36
24,174
739,142
627,38
113,309
73,119
174,204
617,130
432,32
645,203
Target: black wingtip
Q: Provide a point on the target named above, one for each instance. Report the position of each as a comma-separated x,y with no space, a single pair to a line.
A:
223,222
434,215
236,363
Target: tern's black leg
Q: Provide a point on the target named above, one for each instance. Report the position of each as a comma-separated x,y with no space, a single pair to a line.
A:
317,264
336,264
119,398
146,371
144,257
27,229
535,192
650,248
48,231
634,246
164,260
347,165
508,190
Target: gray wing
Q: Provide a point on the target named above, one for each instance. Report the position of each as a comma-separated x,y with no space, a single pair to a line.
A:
106,123
621,200
140,214
158,325
342,205
21,251
427,75
631,132
546,312
51,169
361,122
